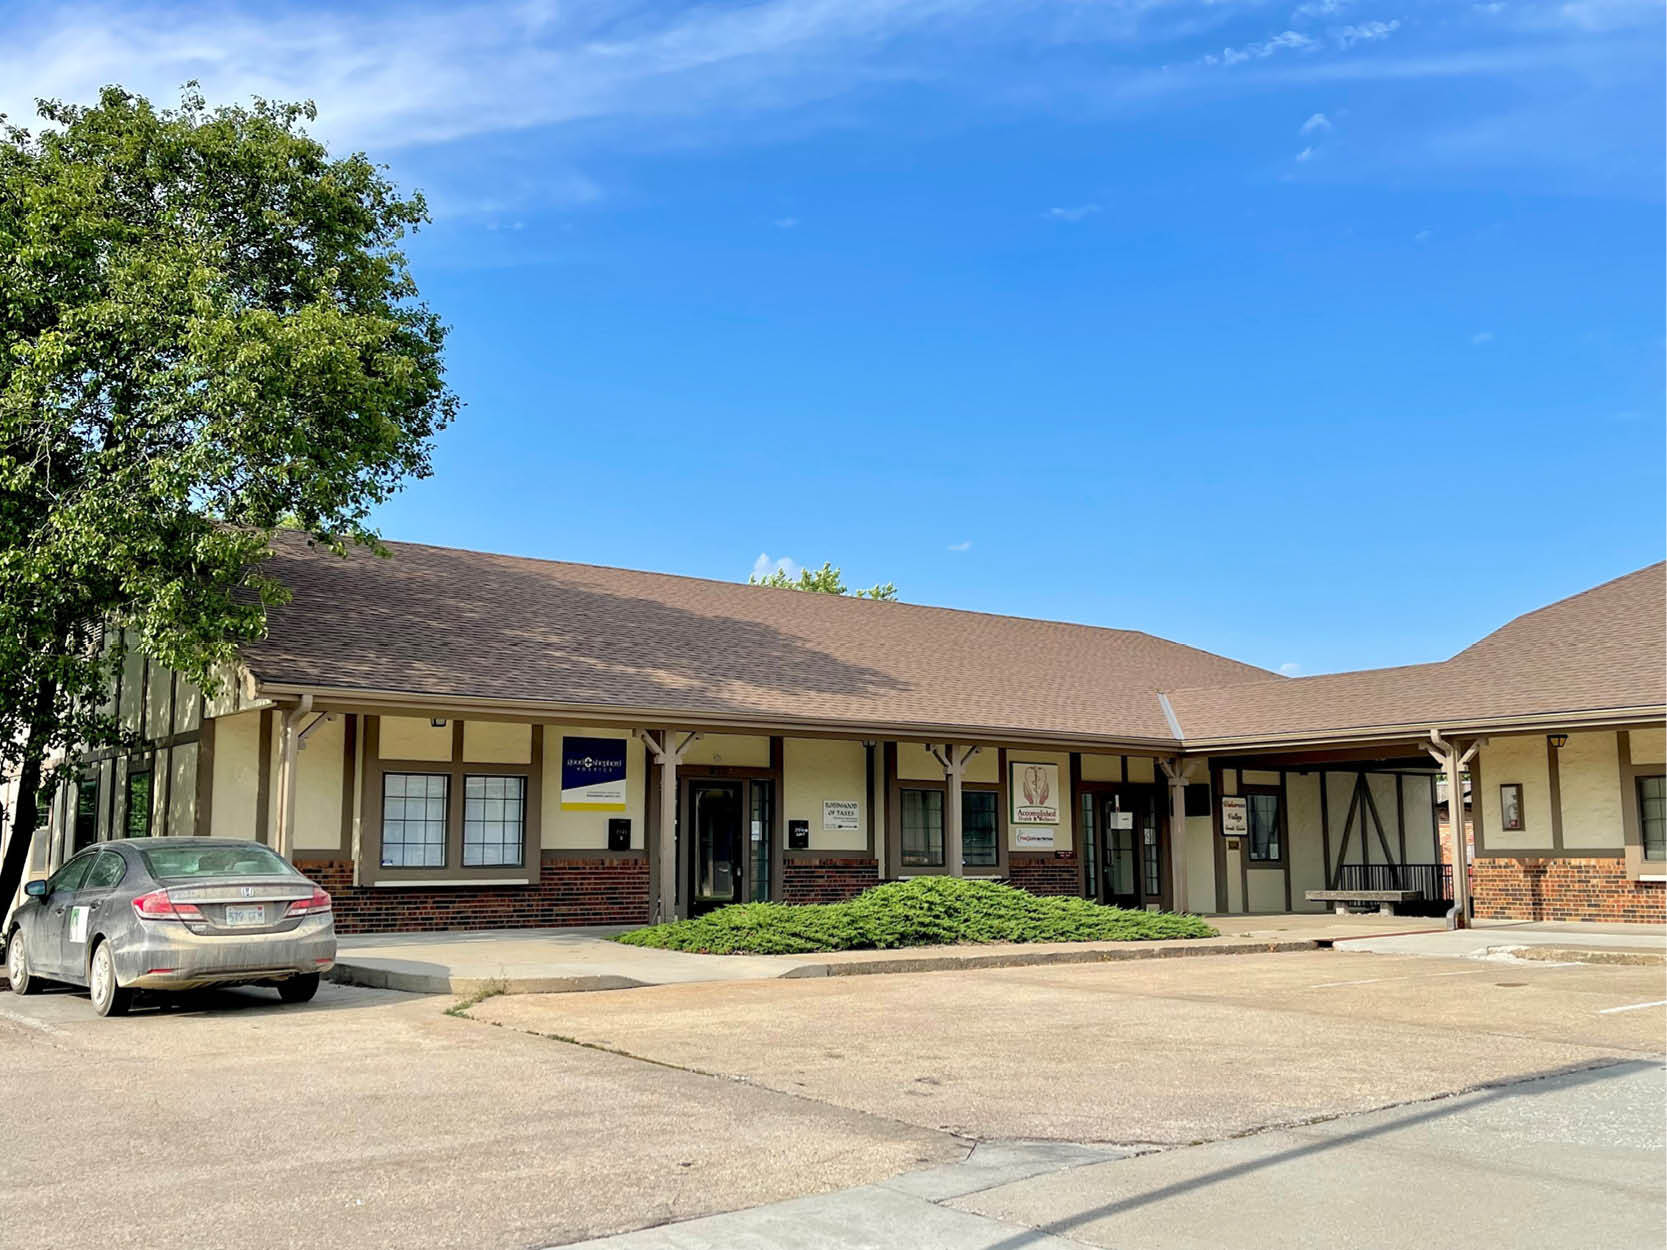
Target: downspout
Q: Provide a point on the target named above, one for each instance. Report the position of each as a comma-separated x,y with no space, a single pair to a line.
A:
1447,755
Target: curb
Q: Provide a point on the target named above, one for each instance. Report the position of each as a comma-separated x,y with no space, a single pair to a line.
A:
347,973
1582,955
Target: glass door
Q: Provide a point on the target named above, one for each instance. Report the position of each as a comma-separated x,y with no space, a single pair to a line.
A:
718,862
1117,838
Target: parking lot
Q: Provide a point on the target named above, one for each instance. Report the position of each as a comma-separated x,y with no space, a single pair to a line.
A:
375,1118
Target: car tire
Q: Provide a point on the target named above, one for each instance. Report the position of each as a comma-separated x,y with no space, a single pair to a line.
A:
109,998
299,988
23,981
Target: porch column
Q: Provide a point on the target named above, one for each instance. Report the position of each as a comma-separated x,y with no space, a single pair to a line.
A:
1177,771
954,763
1452,762
668,753
289,742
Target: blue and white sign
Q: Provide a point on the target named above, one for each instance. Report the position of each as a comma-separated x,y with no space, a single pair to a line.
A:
593,774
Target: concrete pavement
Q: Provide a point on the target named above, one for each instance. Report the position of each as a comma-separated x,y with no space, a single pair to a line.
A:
1506,939
1573,1160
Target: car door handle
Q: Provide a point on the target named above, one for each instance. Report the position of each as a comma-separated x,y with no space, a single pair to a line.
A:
57,911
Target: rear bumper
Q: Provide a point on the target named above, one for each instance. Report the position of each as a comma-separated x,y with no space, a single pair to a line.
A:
168,956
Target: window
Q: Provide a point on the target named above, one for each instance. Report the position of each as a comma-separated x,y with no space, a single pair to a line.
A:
978,828
170,863
1510,806
1652,815
1090,847
922,828
1197,798
494,818
1264,828
108,869
414,819
762,825
138,804
86,812
71,875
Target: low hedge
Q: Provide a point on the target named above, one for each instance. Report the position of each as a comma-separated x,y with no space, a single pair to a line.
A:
924,911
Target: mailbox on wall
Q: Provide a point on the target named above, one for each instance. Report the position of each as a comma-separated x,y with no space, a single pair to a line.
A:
798,835
619,833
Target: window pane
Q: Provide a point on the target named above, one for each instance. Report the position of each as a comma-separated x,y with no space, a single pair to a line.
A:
414,826
138,804
978,828
922,828
1510,806
492,834
167,863
1652,816
1264,827
1090,853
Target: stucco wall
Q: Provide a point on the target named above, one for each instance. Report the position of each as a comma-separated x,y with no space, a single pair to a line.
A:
1588,780
916,763
1520,760
818,769
1062,832
1307,842
318,786
581,830
732,750
236,794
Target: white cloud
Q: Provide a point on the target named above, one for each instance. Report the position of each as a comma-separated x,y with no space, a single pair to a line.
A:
1319,121
1291,39
1320,8
1079,212
785,223
1423,236
1366,32
1290,668
963,545
1481,337
1307,154
764,566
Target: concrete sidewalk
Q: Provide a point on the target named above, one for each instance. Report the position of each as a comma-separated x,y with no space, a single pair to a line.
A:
1558,941
576,960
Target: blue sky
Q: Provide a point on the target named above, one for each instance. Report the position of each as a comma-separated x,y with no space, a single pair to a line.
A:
1324,334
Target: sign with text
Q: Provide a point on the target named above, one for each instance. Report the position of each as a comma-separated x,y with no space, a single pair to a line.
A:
593,774
840,816
1235,816
1034,791
1032,838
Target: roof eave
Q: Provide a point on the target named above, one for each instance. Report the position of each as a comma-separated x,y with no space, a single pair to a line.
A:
1569,719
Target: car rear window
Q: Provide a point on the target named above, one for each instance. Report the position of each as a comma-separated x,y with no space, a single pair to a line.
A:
167,862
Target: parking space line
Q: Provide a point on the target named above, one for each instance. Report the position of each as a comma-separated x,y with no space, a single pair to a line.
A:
1609,1011
1411,976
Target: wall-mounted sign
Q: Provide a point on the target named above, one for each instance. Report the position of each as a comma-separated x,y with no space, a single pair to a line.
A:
1235,816
840,816
1034,791
798,835
1031,838
1119,820
593,774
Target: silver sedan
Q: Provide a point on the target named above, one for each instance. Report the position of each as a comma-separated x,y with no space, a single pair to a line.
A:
172,914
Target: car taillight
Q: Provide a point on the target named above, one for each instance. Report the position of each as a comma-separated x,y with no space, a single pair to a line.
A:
158,906
319,902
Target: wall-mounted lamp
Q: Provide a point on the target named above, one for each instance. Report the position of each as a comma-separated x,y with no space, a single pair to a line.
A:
439,722
1558,740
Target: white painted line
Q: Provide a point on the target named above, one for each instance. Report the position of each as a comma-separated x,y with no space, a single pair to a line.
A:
1411,976
1609,1011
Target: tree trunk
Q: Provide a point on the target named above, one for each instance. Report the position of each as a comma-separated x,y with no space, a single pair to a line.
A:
16,858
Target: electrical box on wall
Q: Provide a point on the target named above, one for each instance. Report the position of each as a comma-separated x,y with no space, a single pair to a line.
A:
619,833
798,835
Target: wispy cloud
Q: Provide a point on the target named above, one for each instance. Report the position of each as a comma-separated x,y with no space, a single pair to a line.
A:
1286,40
764,566
964,545
1079,212
1320,8
1481,338
1317,122
785,223
1307,154
1365,32
1290,668
1423,236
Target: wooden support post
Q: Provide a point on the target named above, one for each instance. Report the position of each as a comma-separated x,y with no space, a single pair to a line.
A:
668,753
1447,755
954,766
1176,771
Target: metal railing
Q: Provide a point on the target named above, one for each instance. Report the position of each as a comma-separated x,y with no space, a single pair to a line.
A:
1434,881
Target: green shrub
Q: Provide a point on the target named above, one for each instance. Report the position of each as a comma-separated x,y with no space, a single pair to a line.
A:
925,911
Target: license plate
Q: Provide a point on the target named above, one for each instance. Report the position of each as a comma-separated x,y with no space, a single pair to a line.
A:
246,915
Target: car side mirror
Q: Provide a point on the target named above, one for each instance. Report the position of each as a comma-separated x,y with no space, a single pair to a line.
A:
35,889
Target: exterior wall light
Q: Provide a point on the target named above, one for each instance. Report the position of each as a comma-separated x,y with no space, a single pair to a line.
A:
1558,740
439,722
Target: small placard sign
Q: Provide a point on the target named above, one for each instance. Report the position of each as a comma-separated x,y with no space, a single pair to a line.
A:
798,835
840,816
1235,816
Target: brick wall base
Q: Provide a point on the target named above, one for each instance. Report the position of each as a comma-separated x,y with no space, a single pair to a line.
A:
1045,874
826,880
570,891
1563,889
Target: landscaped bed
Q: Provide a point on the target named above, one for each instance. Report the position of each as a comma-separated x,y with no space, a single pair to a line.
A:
927,911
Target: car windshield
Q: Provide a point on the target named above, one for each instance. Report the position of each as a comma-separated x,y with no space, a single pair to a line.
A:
166,862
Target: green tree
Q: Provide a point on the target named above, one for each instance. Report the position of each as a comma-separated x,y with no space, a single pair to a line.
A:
206,330
826,580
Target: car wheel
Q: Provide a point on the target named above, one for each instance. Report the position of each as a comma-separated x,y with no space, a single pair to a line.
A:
17,966
109,999
299,989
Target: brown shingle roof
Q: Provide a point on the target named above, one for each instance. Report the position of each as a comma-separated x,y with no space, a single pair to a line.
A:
434,621
1601,650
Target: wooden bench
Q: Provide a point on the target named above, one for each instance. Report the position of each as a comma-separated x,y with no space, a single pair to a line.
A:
1387,900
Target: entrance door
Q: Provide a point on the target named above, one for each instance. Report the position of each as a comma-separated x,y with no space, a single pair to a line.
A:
1131,872
718,824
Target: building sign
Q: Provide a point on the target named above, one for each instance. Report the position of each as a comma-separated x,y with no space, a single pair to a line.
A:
593,774
840,816
1034,791
1032,838
1235,816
